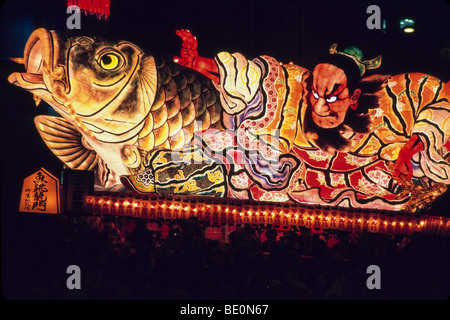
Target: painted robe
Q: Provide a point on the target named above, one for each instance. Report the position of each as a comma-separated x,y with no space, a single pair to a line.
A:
264,155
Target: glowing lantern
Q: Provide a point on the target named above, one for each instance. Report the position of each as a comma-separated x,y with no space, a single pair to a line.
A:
106,205
136,208
334,219
147,210
349,222
326,220
309,221
358,223
100,8
229,216
317,221
374,224
390,225
40,193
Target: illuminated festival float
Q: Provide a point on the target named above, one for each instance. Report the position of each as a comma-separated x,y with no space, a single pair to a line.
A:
234,141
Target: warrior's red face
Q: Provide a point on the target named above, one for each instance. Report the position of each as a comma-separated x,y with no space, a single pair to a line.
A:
330,97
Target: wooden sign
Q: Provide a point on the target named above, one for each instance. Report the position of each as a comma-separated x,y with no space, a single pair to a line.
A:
40,193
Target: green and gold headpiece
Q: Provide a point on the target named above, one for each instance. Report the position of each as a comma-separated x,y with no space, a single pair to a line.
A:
356,55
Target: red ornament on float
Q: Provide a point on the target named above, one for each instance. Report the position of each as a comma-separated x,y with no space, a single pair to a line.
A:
100,8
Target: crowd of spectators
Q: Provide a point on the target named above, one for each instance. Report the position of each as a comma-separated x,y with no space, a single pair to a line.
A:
291,265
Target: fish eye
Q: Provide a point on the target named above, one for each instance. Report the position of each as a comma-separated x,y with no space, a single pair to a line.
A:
109,61
332,99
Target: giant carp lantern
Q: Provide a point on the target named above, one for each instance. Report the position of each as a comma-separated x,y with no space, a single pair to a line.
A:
239,128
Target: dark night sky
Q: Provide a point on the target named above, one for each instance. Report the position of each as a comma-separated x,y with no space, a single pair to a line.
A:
33,245
288,30
297,31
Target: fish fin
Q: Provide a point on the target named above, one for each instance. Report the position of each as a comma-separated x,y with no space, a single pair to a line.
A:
148,80
66,142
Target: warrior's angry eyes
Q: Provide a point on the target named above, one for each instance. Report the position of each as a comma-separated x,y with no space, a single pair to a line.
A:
315,95
110,61
331,99
328,99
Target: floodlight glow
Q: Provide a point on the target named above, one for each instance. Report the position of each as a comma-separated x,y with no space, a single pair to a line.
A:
407,25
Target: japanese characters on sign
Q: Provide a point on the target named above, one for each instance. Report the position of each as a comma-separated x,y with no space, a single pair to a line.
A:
40,193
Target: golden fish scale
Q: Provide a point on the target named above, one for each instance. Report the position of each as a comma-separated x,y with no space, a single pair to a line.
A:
185,102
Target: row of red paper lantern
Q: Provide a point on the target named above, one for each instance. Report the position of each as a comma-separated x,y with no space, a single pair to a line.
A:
280,216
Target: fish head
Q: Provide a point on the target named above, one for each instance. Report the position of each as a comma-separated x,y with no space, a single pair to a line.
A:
103,88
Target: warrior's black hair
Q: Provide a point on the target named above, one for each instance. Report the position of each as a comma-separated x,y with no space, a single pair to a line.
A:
347,64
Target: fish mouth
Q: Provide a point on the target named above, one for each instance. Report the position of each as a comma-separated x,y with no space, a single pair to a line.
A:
45,75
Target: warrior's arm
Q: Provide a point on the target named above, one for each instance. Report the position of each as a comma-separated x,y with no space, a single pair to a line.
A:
189,57
403,164
429,135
